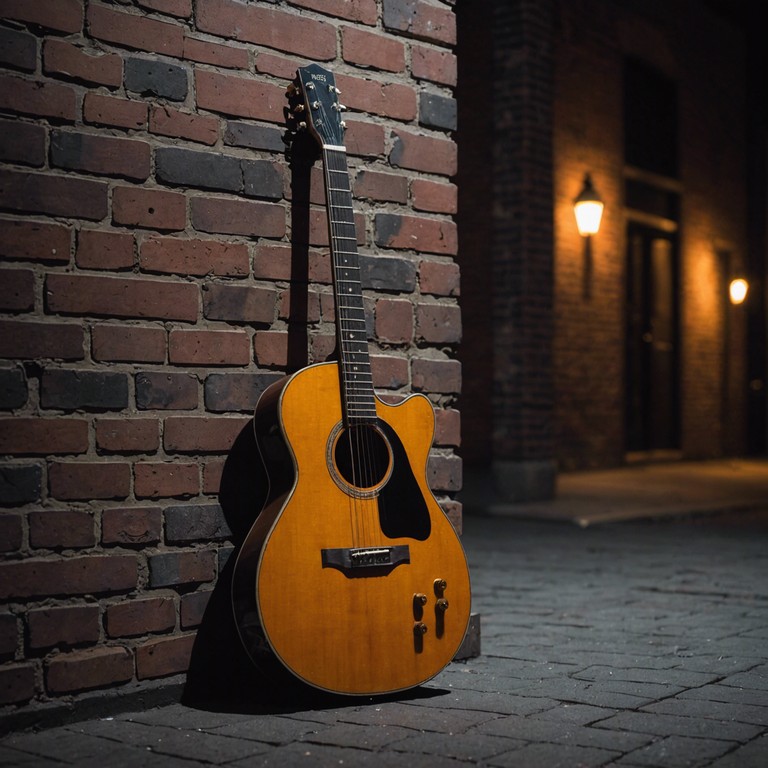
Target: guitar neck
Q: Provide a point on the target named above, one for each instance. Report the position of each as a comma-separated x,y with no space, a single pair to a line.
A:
356,380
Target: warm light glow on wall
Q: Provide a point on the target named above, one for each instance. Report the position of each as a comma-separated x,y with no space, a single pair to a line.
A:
738,290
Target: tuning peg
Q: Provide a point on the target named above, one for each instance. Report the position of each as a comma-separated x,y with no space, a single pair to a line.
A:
292,89
298,108
334,89
339,107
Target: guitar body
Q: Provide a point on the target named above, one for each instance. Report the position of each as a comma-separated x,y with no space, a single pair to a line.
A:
352,577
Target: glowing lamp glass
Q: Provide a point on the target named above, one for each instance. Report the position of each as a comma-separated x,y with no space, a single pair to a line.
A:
588,216
738,290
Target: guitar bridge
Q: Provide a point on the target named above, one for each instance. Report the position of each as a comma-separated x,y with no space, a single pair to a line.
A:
357,561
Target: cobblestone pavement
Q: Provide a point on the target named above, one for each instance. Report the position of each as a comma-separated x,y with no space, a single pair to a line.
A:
636,644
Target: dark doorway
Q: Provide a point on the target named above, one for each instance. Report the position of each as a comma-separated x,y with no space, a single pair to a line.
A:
653,419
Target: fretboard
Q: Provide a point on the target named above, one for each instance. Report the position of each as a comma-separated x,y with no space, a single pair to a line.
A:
356,381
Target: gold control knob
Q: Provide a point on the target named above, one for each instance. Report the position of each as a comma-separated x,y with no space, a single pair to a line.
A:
442,604
419,599
420,628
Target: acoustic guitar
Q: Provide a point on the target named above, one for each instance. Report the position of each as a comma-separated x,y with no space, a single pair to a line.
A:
352,577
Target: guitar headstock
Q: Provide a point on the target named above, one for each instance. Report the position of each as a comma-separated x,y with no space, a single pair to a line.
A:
315,105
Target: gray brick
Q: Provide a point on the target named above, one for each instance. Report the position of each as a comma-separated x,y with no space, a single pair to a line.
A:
185,523
208,170
166,391
383,273
240,134
236,391
436,111
151,77
20,484
70,390
262,178
18,49
13,388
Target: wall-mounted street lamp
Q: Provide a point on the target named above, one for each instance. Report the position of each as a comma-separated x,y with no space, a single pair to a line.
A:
738,290
588,208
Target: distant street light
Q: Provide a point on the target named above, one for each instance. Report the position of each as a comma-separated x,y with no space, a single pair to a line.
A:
737,290
588,208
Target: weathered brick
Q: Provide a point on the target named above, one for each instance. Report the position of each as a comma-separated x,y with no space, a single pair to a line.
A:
162,390
433,64
36,341
17,683
13,388
438,323
88,574
437,111
85,670
273,28
127,435
173,255
11,530
149,208
18,49
54,195
379,97
102,155
140,617
63,58
98,249
237,217
167,121
213,469
20,483
195,522
370,49
386,187
128,343
443,376
389,372
394,320
65,626
439,278
193,607
218,54
41,99
208,347
100,109
393,230
72,481
207,170
253,136
271,348
434,196
235,391
169,656
171,569
364,139
9,634
262,178
135,31
201,434
131,526
180,8
70,390
384,273
29,436
30,240
151,77
239,96
17,290
61,15
239,303
22,143
447,427
444,473
121,297
423,153
363,11
420,19
156,480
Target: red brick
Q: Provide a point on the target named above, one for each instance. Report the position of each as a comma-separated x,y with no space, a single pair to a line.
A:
269,27
434,196
193,607
164,479
131,526
166,391
283,67
206,52
98,249
135,31
89,480
212,472
180,8
416,233
127,435
167,121
85,670
438,376
271,348
322,347
389,372
239,96
394,320
60,57
11,532
68,625
139,617
209,347
447,427
424,153
30,97
364,139
29,240
386,187
369,49
17,683
101,155
379,97
437,66
438,323
90,574
439,278
28,436
150,208
272,262
61,15
35,341
444,473
55,195
237,217
121,297
364,11
201,434
172,255
128,344
17,290
112,110
61,529
239,303
168,656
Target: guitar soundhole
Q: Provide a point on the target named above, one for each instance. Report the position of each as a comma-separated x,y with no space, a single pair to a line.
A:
362,458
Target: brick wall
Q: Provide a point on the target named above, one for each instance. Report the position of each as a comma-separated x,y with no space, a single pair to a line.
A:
149,284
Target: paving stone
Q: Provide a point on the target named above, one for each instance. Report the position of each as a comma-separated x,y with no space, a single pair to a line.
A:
552,756
751,755
678,752
667,724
